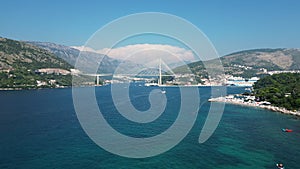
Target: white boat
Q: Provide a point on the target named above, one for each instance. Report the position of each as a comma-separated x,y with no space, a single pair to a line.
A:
151,84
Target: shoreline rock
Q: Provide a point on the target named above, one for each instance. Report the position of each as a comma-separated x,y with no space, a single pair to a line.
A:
254,104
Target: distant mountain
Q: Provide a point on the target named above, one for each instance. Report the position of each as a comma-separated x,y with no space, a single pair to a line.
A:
271,59
64,52
147,54
19,62
18,55
90,59
253,62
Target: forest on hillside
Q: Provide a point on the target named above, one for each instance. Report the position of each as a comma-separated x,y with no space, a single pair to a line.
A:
282,90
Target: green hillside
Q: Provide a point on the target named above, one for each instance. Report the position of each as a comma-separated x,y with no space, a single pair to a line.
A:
282,90
19,61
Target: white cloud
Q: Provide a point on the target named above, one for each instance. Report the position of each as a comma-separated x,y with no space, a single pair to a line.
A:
148,54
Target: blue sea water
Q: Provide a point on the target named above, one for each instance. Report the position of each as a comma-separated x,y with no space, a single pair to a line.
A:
40,129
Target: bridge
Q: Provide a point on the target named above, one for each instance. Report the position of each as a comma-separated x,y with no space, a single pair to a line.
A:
123,75
149,72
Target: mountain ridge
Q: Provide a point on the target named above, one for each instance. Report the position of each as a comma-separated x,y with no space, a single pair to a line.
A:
23,65
70,54
16,53
247,63
253,62
284,58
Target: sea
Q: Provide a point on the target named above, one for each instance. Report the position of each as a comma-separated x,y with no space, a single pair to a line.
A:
39,129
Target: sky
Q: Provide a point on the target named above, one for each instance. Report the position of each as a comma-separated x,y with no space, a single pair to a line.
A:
231,25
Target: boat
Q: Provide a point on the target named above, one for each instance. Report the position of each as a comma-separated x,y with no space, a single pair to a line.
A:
287,130
163,92
151,84
280,166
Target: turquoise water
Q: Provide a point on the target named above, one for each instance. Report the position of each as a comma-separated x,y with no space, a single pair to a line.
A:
39,129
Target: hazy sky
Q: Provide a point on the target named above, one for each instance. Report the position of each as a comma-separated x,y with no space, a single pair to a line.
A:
231,25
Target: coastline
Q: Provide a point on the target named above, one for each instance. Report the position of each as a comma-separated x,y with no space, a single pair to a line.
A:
61,87
17,89
8,89
241,102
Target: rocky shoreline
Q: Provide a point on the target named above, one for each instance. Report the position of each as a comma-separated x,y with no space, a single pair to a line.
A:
238,101
37,88
10,89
